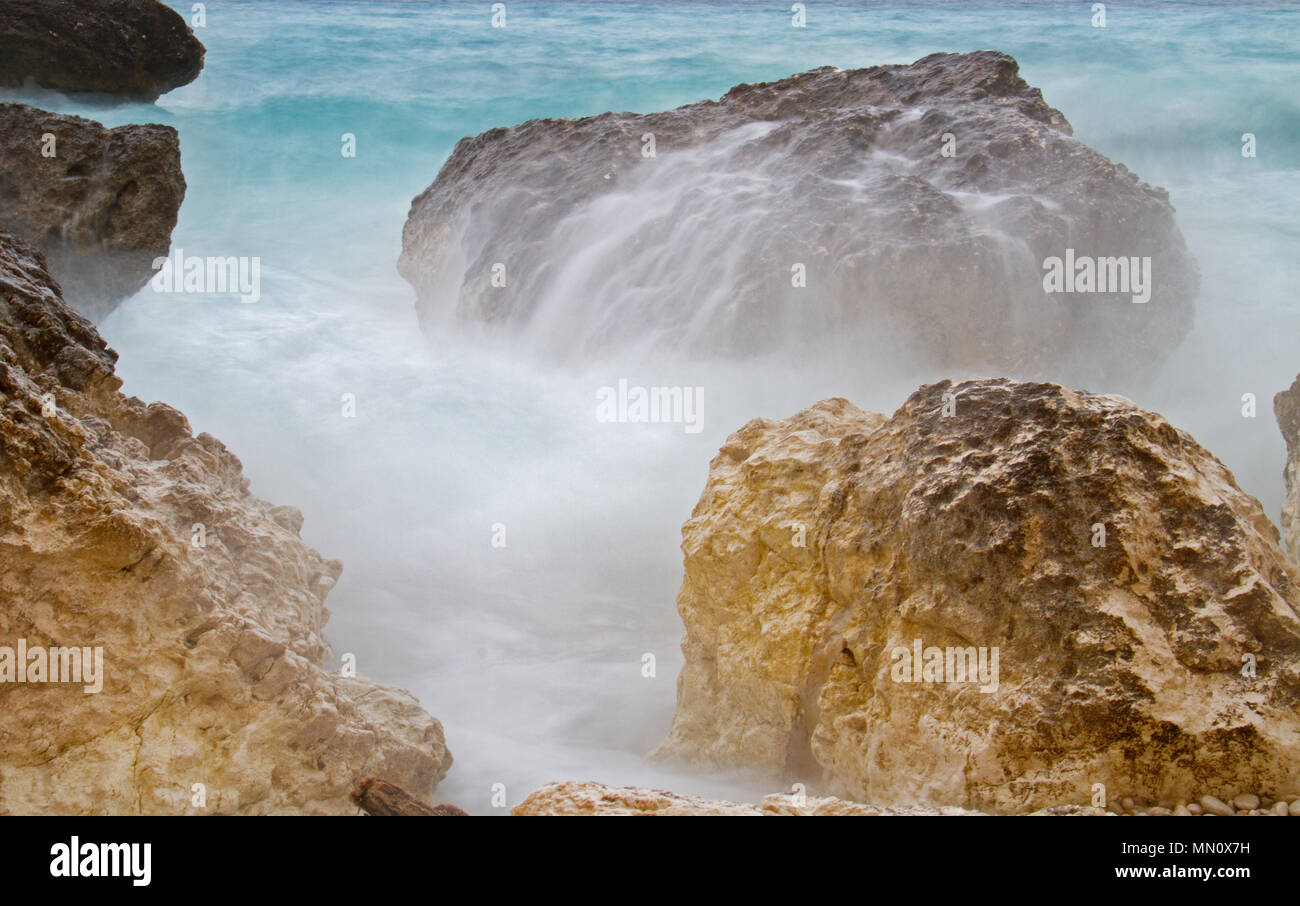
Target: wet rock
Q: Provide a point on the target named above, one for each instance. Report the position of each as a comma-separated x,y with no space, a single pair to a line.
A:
135,48
572,234
101,208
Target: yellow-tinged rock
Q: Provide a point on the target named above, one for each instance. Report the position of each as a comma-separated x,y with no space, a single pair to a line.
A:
1128,615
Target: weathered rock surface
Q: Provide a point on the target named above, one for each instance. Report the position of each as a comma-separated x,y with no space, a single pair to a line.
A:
120,529
101,209
906,251
136,48
827,543
598,799
1286,406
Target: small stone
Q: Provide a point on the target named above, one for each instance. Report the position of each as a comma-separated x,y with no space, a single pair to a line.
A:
1128,804
1279,808
1182,810
1246,802
1115,807
1215,806
1195,808
1159,810
1294,807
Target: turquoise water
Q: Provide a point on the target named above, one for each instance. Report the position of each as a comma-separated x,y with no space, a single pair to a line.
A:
531,654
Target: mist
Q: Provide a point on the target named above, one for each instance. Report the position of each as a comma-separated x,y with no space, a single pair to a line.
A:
510,558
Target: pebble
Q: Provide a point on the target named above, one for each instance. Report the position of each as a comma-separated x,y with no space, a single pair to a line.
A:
1216,806
1246,802
1243,804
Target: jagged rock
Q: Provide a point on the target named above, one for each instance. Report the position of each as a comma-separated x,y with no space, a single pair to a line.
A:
1125,582
906,252
598,799
101,209
120,529
136,48
1286,406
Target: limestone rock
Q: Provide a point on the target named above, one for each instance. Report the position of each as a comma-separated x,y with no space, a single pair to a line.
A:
684,228
101,209
598,799
120,529
825,547
1286,406
136,48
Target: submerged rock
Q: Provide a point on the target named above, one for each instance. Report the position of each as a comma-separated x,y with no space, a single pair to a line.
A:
99,203
136,48
918,204
1286,406
1091,596
120,530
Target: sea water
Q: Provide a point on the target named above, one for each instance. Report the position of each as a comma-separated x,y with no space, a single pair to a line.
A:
509,557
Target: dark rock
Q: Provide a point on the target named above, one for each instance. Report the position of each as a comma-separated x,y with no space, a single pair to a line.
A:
101,209
136,48
842,171
378,797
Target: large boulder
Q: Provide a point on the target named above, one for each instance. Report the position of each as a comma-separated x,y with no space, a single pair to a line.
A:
122,531
99,203
1142,615
135,48
1286,406
571,233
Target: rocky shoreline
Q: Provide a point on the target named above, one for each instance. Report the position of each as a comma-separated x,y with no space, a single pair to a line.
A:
121,529
1007,597
595,799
